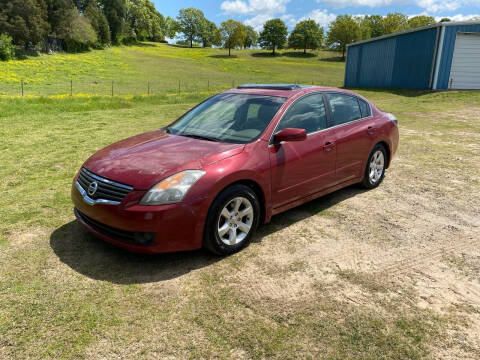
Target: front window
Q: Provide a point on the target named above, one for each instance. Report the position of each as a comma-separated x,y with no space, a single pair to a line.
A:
234,118
307,113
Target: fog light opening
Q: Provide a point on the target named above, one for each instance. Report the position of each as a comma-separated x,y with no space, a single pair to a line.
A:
144,238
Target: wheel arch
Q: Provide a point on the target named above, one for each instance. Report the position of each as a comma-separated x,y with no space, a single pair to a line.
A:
387,147
255,187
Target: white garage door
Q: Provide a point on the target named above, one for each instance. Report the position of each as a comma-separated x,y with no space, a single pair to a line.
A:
465,71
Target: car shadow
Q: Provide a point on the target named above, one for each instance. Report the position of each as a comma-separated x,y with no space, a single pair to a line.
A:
99,260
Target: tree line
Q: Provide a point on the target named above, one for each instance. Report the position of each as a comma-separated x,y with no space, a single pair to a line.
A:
194,28
84,24
79,24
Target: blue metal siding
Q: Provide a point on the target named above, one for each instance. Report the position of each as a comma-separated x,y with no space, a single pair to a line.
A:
351,67
403,61
414,59
376,64
447,52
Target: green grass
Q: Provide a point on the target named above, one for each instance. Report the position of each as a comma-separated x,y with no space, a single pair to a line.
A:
63,294
162,66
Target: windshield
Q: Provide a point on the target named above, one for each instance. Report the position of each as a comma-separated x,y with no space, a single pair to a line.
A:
235,118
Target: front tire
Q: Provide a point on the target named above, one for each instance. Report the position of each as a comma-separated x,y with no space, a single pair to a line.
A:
375,169
231,220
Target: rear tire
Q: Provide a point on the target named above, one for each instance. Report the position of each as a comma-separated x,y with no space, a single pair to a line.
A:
231,220
375,168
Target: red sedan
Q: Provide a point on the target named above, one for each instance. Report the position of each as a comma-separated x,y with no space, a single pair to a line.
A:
212,176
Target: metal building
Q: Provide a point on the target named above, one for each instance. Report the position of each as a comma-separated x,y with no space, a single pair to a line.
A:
440,56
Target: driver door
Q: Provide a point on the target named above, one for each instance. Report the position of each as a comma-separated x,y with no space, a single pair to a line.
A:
302,168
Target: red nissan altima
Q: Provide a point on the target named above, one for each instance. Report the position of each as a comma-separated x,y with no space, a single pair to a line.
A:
229,164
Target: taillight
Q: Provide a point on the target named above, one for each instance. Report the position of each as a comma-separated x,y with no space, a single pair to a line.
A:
393,118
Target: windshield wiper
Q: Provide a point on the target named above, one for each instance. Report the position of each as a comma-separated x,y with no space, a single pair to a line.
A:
201,137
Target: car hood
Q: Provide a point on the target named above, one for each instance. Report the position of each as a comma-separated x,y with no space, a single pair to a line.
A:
144,160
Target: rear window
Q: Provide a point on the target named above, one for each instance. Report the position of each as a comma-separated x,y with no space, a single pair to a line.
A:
345,108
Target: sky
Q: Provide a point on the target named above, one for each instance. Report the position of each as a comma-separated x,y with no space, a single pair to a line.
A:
256,12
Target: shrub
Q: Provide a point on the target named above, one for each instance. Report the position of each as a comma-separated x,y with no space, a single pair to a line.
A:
80,36
7,49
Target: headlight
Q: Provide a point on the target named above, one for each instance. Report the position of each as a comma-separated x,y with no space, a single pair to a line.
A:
172,189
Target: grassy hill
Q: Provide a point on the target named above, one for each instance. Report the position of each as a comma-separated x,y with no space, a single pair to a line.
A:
163,66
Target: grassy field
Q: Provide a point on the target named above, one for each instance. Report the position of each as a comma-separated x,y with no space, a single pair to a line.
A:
391,273
159,68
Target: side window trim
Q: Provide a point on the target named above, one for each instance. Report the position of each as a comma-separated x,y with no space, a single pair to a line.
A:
327,113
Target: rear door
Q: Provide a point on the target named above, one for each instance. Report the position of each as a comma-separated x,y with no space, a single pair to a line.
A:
354,129
301,168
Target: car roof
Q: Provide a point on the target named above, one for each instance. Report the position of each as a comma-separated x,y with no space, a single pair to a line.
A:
282,90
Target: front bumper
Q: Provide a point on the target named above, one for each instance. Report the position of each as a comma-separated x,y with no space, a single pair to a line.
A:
174,227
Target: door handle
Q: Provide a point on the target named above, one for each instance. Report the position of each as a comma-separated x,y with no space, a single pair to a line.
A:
329,146
371,130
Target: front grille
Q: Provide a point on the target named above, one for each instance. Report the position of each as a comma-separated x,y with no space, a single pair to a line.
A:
138,238
107,189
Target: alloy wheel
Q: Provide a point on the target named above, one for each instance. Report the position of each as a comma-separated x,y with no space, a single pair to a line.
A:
377,166
235,221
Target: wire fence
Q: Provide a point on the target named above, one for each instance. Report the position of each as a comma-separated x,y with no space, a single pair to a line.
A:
101,87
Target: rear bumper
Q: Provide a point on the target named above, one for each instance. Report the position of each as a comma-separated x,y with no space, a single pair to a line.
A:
175,227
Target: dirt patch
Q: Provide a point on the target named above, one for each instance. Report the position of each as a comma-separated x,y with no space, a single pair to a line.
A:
26,238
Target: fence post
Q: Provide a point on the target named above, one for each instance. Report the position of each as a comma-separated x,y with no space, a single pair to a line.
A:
148,91
112,88
22,86
71,87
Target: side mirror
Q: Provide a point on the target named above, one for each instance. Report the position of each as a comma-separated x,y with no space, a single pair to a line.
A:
290,134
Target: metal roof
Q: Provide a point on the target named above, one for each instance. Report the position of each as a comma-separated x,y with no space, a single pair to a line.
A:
449,23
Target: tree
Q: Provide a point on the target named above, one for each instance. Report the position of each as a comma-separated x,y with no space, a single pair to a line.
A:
273,35
82,4
233,34
343,31
364,26
25,21
371,26
81,35
251,38
394,22
7,50
191,23
99,22
376,25
59,15
171,27
115,12
210,34
144,21
307,34
421,20
445,19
